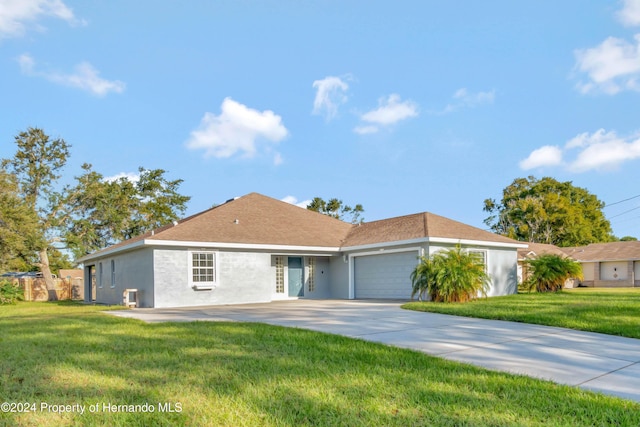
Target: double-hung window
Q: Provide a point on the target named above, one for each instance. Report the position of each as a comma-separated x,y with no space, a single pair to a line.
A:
203,270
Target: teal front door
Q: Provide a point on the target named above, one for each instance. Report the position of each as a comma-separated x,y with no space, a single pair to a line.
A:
296,276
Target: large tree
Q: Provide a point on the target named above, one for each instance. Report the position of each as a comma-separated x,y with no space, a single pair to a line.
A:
336,209
37,216
19,230
101,212
548,211
36,167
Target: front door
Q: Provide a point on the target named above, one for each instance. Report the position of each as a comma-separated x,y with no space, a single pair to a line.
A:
296,275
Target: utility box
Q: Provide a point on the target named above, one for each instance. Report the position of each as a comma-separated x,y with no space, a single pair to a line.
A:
130,298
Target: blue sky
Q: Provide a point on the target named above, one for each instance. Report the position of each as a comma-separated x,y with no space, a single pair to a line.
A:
403,106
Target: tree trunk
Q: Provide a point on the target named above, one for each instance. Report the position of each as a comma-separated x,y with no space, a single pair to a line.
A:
46,274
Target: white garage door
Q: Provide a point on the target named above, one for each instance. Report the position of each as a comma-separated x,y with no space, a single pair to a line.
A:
384,276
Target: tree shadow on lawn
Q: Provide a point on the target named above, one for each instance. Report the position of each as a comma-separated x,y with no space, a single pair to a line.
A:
255,374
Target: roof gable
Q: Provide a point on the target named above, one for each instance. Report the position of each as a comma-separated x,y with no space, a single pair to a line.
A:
257,219
418,226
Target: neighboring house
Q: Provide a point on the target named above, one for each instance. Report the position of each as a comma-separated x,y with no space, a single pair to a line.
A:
71,274
534,250
615,264
258,249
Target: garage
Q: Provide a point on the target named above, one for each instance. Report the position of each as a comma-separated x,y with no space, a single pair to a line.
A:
385,276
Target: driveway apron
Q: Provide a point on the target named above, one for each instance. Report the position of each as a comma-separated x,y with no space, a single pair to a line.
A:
597,362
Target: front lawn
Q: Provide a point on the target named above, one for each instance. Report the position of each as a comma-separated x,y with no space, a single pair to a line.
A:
608,311
234,374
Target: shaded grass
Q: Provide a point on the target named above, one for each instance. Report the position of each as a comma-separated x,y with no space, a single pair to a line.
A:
608,311
243,374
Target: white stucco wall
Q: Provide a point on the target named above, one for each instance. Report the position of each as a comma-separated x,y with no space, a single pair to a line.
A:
339,277
613,270
636,271
587,271
322,274
133,271
242,277
502,267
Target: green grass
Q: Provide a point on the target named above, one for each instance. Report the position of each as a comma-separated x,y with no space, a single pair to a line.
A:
233,374
608,311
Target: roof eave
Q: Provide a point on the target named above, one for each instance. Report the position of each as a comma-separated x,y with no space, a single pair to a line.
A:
444,240
210,245
607,259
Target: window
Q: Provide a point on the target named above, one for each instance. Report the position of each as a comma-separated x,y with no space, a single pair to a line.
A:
482,255
280,274
100,275
312,275
113,273
203,268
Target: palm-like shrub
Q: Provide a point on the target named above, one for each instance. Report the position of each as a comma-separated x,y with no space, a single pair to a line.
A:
547,273
422,278
453,275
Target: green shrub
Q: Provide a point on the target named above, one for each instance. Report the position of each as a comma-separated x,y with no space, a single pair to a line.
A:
547,273
454,275
10,292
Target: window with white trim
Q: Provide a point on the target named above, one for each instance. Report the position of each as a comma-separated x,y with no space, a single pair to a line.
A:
482,255
203,268
312,274
279,260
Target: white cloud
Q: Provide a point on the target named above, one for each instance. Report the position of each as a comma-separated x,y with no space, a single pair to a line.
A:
612,66
294,201
130,176
17,15
630,13
390,110
85,77
603,151
277,159
584,139
600,151
27,63
364,130
464,99
236,129
549,155
330,94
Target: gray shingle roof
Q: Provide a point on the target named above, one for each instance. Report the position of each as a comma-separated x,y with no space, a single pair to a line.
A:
537,249
261,220
613,251
418,226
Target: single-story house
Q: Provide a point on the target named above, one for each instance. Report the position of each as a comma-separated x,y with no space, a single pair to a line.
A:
258,249
533,251
614,264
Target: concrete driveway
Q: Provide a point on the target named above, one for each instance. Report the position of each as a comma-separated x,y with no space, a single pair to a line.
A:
597,362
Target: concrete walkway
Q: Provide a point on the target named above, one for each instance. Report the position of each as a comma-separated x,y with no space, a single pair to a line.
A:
597,362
